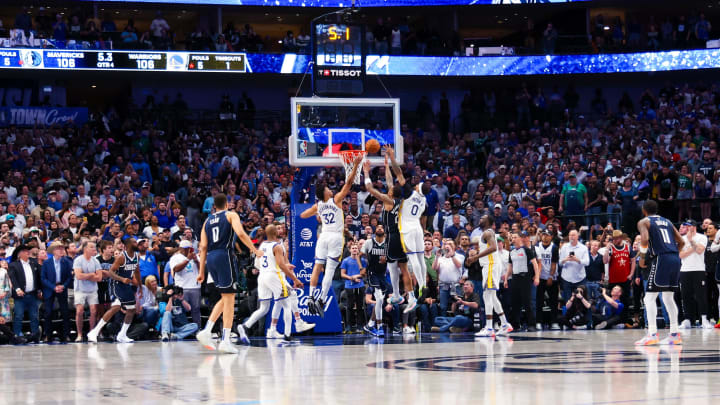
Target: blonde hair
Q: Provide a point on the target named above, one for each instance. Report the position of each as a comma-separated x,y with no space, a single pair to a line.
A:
149,280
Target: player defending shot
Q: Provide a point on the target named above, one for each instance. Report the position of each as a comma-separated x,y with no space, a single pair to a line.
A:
412,236
396,257
661,243
272,285
217,241
329,247
491,273
125,275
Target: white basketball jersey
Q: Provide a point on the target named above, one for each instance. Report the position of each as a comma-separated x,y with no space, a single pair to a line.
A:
491,259
267,262
411,211
331,216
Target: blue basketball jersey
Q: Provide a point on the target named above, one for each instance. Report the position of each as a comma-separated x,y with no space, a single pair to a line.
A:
662,236
131,264
219,232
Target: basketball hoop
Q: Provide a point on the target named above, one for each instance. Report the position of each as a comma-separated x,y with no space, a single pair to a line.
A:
347,157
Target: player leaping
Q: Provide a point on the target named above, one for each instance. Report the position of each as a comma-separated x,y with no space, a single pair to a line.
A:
396,257
217,242
330,243
660,243
412,236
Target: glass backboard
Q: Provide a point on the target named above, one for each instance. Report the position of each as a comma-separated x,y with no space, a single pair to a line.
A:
322,127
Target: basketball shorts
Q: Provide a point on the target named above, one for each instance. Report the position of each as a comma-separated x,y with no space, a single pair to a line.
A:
413,241
329,247
664,273
123,295
222,266
491,273
103,292
272,285
395,252
378,281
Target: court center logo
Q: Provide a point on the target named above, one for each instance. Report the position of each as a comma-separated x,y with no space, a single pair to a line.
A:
639,361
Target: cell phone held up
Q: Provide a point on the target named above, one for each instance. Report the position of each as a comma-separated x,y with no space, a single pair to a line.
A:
572,254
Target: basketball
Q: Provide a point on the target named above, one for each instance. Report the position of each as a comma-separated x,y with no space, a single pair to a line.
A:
372,146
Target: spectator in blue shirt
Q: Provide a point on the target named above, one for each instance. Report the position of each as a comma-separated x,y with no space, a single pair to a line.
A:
433,204
142,168
451,232
165,217
609,309
352,270
146,261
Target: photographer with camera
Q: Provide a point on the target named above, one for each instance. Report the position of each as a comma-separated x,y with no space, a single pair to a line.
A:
577,309
448,264
609,310
464,307
175,324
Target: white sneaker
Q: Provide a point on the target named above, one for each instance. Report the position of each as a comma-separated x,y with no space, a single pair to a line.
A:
412,303
538,326
685,324
165,337
555,326
124,339
505,330
78,339
92,337
227,347
408,331
273,334
302,326
205,339
486,332
707,325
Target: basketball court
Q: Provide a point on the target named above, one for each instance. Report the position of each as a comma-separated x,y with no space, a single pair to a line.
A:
568,368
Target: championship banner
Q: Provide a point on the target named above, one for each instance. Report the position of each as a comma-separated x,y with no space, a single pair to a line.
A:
42,116
303,237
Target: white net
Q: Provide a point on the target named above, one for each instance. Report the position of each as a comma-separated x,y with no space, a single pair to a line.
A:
347,157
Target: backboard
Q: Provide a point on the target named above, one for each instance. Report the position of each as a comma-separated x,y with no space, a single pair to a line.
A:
322,127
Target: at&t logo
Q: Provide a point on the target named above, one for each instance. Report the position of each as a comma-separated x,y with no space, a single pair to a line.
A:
306,234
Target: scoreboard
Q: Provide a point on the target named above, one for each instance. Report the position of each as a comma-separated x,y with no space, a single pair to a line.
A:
122,60
339,59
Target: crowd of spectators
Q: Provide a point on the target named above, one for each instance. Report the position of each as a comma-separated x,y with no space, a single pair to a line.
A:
574,181
387,35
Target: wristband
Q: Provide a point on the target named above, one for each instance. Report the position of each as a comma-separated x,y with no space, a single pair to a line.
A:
367,182
643,249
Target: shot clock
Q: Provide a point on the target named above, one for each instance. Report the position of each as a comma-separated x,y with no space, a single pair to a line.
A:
339,56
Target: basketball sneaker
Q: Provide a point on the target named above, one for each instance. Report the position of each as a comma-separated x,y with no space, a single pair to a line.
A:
243,335
302,326
272,333
685,324
412,303
487,332
92,337
673,339
648,340
396,300
165,337
707,325
205,339
408,330
320,307
505,330
371,330
226,347
124,339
